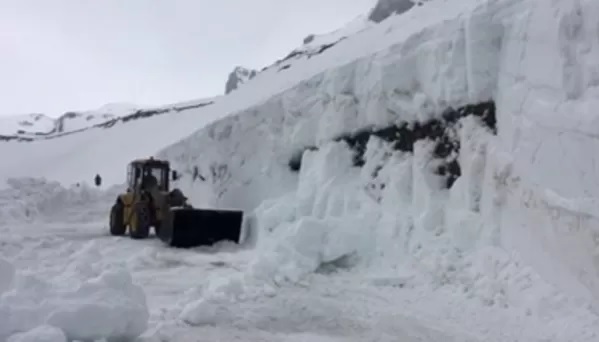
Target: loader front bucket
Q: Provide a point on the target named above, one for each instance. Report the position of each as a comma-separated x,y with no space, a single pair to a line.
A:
200,227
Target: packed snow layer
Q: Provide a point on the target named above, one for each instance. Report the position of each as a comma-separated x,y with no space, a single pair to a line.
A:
535,58
81,303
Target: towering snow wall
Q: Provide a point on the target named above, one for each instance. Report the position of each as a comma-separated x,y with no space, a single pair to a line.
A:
478,130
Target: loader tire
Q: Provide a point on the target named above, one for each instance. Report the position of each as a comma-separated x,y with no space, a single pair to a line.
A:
143,222
117,226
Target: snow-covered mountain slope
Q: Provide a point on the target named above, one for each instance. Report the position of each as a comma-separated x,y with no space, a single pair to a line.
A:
27,123
438,165
32,125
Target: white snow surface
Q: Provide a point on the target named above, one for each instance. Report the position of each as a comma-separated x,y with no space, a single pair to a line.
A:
334,252
352,28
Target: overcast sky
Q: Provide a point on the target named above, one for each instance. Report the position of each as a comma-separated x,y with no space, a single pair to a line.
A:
60,55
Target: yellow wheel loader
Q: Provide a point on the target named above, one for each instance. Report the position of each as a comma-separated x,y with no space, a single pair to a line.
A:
149,202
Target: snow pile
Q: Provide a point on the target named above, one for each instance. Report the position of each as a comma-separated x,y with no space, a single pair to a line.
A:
325,222
31,199
83,303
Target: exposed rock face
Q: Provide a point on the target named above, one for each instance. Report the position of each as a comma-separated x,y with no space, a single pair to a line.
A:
237,77
386,8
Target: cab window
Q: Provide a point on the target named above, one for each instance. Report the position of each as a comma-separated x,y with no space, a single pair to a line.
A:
154,176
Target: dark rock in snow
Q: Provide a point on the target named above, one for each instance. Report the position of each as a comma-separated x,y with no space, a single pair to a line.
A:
309,39
238,76
386,8
403,137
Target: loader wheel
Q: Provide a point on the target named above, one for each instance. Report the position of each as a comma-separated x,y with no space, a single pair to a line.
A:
117,227
143,222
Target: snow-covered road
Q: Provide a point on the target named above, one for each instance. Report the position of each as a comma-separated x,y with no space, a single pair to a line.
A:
338,306
324,308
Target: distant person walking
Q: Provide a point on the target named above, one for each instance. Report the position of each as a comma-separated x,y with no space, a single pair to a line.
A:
98,180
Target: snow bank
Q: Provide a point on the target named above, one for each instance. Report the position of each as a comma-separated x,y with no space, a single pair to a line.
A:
32,199
83,303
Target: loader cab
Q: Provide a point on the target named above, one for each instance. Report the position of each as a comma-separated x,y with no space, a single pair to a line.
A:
143,174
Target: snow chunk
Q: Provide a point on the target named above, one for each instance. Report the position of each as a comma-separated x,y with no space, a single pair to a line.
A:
107,306
43,333
206,312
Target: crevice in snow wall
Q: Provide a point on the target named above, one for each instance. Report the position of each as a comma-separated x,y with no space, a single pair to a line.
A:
403,136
